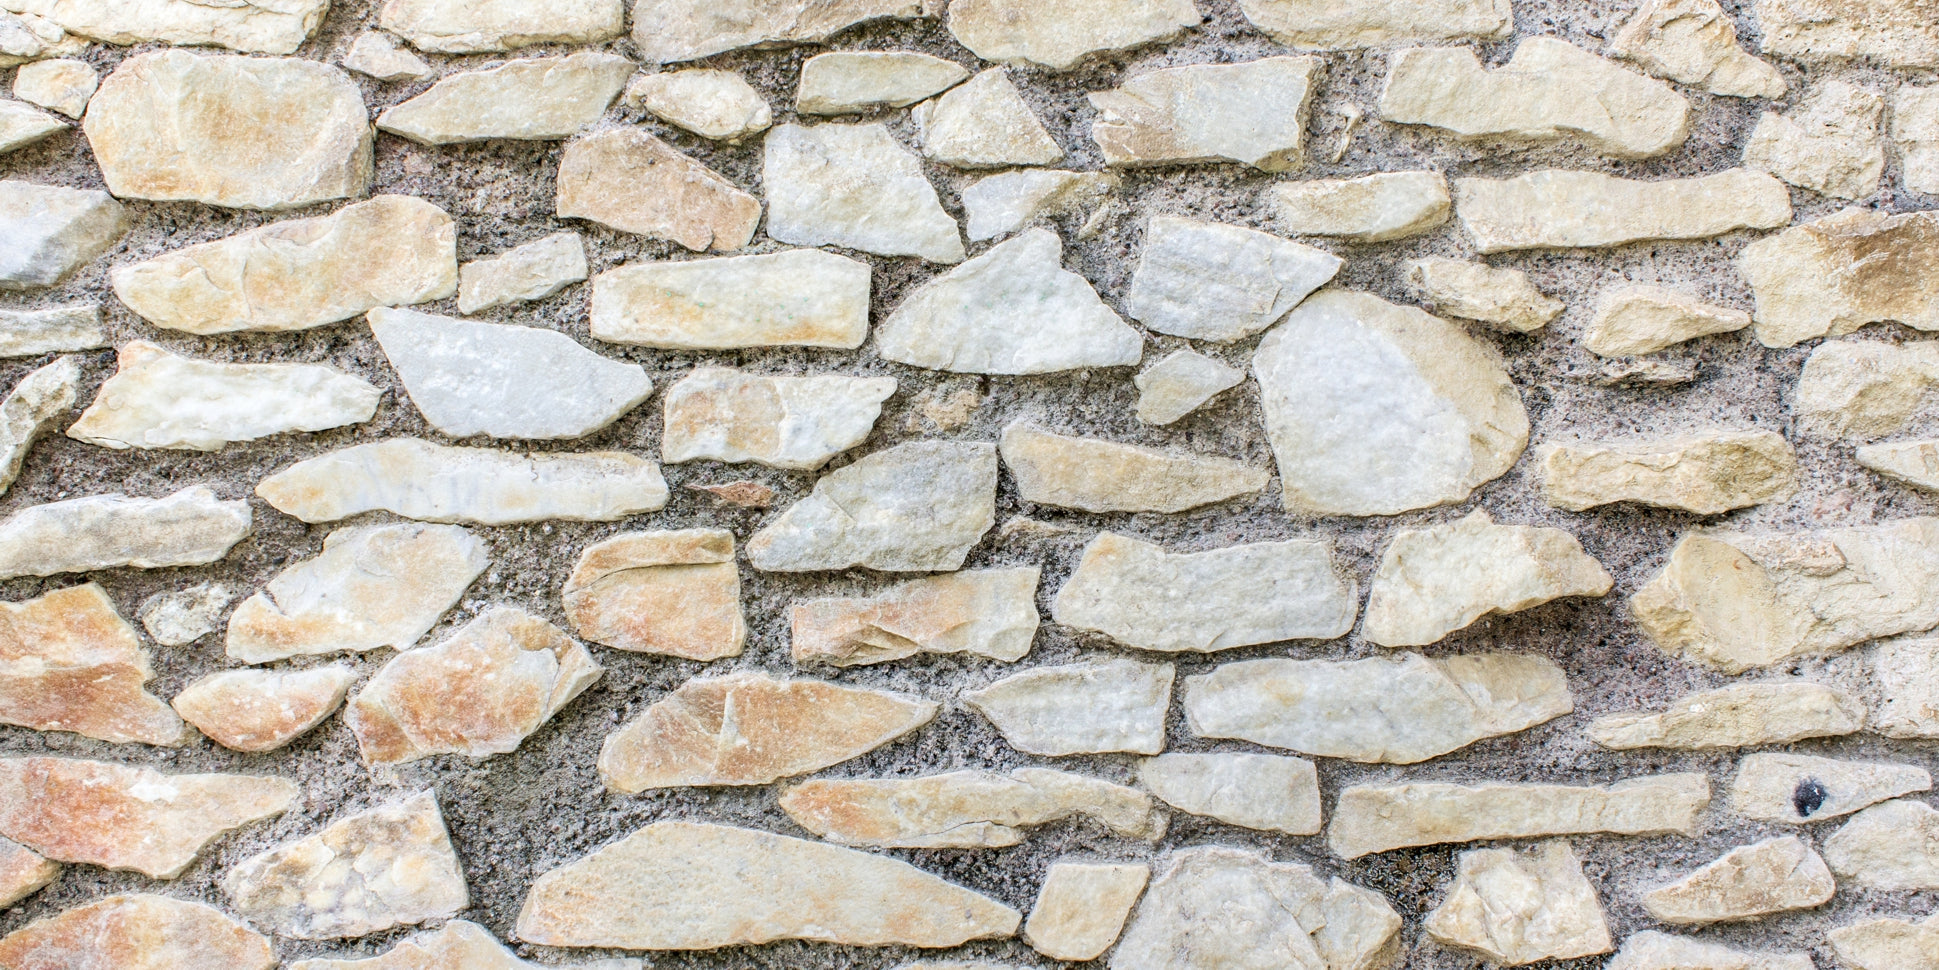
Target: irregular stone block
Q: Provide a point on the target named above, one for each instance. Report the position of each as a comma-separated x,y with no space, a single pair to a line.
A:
854,186
628,180
262,710
1816,31
23,872
1693,42
259,28
1372,208
55,330
1209,281
160,400
21,125
1502,298
1325,25
984,612
69,662
1106,476
138,931
49,232
1905,687
800,297
984,123
1008,201
1434,581
673,593
1060,35
189,528
720,105
1868,389
57,85
1084,708
1082,907
1887,944
1705,473
457,945
1772,876
1833,275
1631,372
30,408
917,507
1915,128
1640,319
1561,209
533,271
27,37
848,82
1650,950
536,99
1795,788
1830,145
797,423
181,617
1257,791
1893,846
964,809
1180,384
472,26
1738,716
1378,818
684,30
1520,907
1253,113
375,54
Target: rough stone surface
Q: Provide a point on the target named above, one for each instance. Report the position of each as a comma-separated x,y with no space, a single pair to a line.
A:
1738,716
189,528
1796,789
1210,281
377,55
684,30
256,27
1105,476
674,593
1561,209
1253,113
963,809
1001,204
1373,208
1650,950
800,297
69,662
628,180
1641,319
1888,944
1434,581
712,104
22,125
852,82
181,617
471,26
137,932
1083,708
1502,298
1865,390
58,85
1521,907
1372,818
1324,25
1705,473
1747,882
1181,383
157,399
30,408
533,271
1831,145
51,231
1694,42
1268,792
23,872
55,330
984,123
916,507
1082,908
983,612
1915,129
797,423
457,945
1834,275
1905,680
1884,31
537,99
1893,846
854,186
1060,35
262,710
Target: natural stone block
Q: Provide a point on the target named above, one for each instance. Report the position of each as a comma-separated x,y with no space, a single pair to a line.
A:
1104,476
1640,319
1501,298
1373,208
533,271
1887,944
800,297
1084,708
720,105
1323,25
1706,473
917,507
480,26
1650,950
849,82
55,330
377,55
1082,907
1060,35
964,809
674,593
683,30
1269,792
1560,209
1253,113
1693,42
1833,275
138,931
23,872
984,123
1434,581
1893,846
1749,881
61,85
457,945
628,180
30,409
1905,687
1887,32
1795,788
797,423
984,612
189,528
50,232
181,617
1008,201
1868,389
69,662
1831,144
1181,383
1915,128
535,99
1521,907
262,710
854,186
1378,818
1211,281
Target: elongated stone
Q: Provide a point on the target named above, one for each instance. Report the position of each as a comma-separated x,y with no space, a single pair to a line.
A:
1817,31
1105,476
393,250
138,931
1772,876
1210,281
257,28
436,483
1373,208
1638,319
1253,113
1892,846
50,232
1865,389
470,26
1521,907
796,423
917,507
160,400
69,662
1434,581
533,271
1706,473
1831,144
675,593
30,408
1795,788
262,710
712,104
1181,383
854,186
628,180
1377,818
1323,25
1694,42
847,82
1082,907
134,819
457,945
1082,708
1502,298
1650,950
1008,201
1738,716
984,123
376,54
183,616
242,132
984,612
1862,267
1257,791
55,330
189,528
22,125
683,30
690,886
1905,687
1561,209
750,729
1058,36
1915,128
800,297
62,85
537,99
1887,944
964,809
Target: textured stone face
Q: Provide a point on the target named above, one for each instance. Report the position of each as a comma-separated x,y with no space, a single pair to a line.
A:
1322,25
1837,274
262,710
1883,31
157,399
138,931
985,612
50,232
183,616
628,180
1893,846
1257,791
457,945
1650,950
256,27
1082,907
1105,476
1502,298
854,186
1749,881
23,872
847,82
1887,944
1796,789
1905,673
1210,281
1008,201
1253,113
1560,209
21,125
1830,145
55,330
692,886
1059,35
1694,42
69,662
1374,208
1864,389
684,30
1377,818
712,104
1915,127
1181,383
30,408
984,123
58,85
963,809
1706,473
375,54
796,423
1434,581
1520,907
536,99
801,297
1083,708
673,593
474,26
533,271
916,507
189,528
1640,319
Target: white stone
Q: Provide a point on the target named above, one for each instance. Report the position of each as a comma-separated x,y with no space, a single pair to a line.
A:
964,809
1083,708
1377,818
1888,944
1502,298
1650,950
797,423
1521,907
1707,473
55,330
1772,876
29,37
157,399
854,186
1439,579
181,617
49,232
1082,907
475,26
1372,208
712,104
256,710
984,612
1905,687
533,271
917,507
30,408
538,99
1831,144
1893,846
1181,383
1322,25
984,123
627,179
800,297
1209,281
1741,715
189,528
1641,319
1268,792
457,945
22,125
1253,113
258,27
376,55
850,82
1915,128
1795,788
1818,31
57,85
1105,476
1008,201
1694,42
683,30
1834,275
1059,35
1563,209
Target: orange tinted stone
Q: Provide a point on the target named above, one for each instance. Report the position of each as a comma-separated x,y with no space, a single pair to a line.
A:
677,593
22,872
69,662
262,710
136,933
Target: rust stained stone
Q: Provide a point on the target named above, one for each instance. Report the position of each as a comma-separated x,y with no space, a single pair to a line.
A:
22,872
744,493
140,932
69,662
676,593
262,710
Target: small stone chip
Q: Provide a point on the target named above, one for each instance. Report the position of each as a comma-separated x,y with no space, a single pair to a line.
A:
1562,209
1377,818
1887,944
457,945
1795,788
1915,128
533,271
21,125
1834,275
160,400
984,123
1749,881
69,662
796,423
260,27
183,616
1831,145
1059,35
1253,113
1210,281
30,409
1434,581
189,528
1520,907
1372,208
1269,792
1650,950
800,297
57,85
1892,846
964,809
1008,201
849,82
262,710
1738,716
674,593
374,54
47,232
1182,383
1501,298
683,30
917,507
1905,687
746,494
1090,707
1888,32
1082,907
1638,319
1645,372
712,104
1325,25
983,612
1105,476
1693,42
854,186
23,872
479,26
137,931
628,180
1706,473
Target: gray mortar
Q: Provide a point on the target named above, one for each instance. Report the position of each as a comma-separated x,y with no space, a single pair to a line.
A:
515,816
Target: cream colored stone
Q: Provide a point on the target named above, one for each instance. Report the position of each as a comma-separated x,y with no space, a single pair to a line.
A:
1372,208
1105,476
849,82
677,885
22,125
1694,42
797,423
1181,383
30,408
626,179
1650,950
1082,907
964,809
1084,708
674,593
684,30
1323,25
181,617
49,232
1211,281
1378,818
262,710
983,612
712,104
137,932
1772,876
1795,788
1562,209
917,507
1521,907
1268,792
533,271
133,819
1502,298
1892,846
1439,579
1868,389
1253,113
1641,319
23,872
475,26
254,26
854,186
55,330
189,528
1707,473
28,37
1888,944
374,54
1915,128
799,297
536,99
69,662
1905,687
1008,201
1834,275
1059,35
1890,32
1738,716
160,400
457,945
984,123
57,85
1831,144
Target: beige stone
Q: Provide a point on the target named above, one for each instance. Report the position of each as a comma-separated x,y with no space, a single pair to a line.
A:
1892,846
1738,716
1269,792
1105,476
800,297
132,819
1645,372
1253,113
256,27
1749,881
1889,32
23,872
50,232
1082,907
849,82
712,104
1213,281
1833,275
964,809
983,612
1084,708
1060,35
1888,944
1521,907
1322,25
1866,389
1915,128
55,330
791,422
746,494
1905,687
180,617
984,123
854,186
1830,144
137,932
1694,42
1562,209
30,409
1182,383
675,593
58,85
69,662
377,55
1004,203
1707,473
189,528
1434,581
684,30
535,99
1372,818
628,180
21,125
1501,298
1650,950
262,710
1641,319
1795,788
457,945
28,37
476,26
1373,208
160,400
917,507
533,271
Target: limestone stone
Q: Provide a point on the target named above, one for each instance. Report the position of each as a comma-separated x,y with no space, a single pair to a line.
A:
1084,708
479,692
854,186
1915,128
376,55
1693,42
181,617
1214,907
69,662
132,819
262,710
1867,389
55,330
189,528
472,26
437,483
1892,846
457,945
1831,145
675,593
242,132
62,85
712,104
45,394
260,26
1706,473
1795,788
1749,881
1642,319
677,885
1322,25
1562,209
1839,273
964,809
751,729
796,423
22,125
1550,91
746,494
533,271
1181,383
1105,476
1268,792
1082,907
1373,208
50,232
982,612
628,180
393,250
984,123
799,297
1253,113
23,872
1888,944
1815,31
1735,601
160,400
1741,715
1436,580
1650,950
684,30
372,586
388,866
1144,597
1008,201
917,507
1645,372
1905,680
1209,281
1501,298
536,99
28,37
1517,907
850,82
1059,35
137,932
1380,817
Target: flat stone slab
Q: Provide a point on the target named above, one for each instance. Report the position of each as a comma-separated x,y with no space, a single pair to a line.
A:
1650,950
1831,143
50,232
138,931
1000,204
1379,818
1060,35
1915,130
535,99
1181,383
916,507
69,662
257,28
1738,716
1561,209
181,617
377,55
1504,299
23,872
1796,789
1083,708
1248,113
675,593
964,809
791,422
22,124
1325,25
262,710
1865,389
55,330
1210,281
533,271
1082,907
189,528
457,945
1105,476
1905,687
854,186
1374,208
851,82
1887,944
1843,256
1892,846
800,297
1773,876
984,123
720,105
626,179
481,26
1694,42
1640,319
984,612
1521,907
683,30
1436,580
1817,31
1269,792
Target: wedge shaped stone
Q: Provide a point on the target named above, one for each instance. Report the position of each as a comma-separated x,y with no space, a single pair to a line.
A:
262,710
457,945
1372,208
1905,682
257,28
1060,35
796,423
138,931
1866,389
1104,476
750,729
1795,788
800,297
1637,319
1562,209
1378,818
917,507
393,250
1434,581
49,232
1845,259
189,528
55,330
392,865
69,662
683,30
1741,715
1083,708
1324,25
1008,201
133,819
1887,944
62,84
984,612
848,82
471,27
626,179
377,55
533,271
536,99
1693,42
1817,31
160,400
1082,907
1253,113
712,104
30,409
241,132
1772,876
1831,144
1181,383
437,483
1209,281
22,124
23,872
674,593
853,186
1706,473
1257,791
984,123
1892,846
1520,907
1650,950
1915,128
964,809
1501,298
181,617
25,37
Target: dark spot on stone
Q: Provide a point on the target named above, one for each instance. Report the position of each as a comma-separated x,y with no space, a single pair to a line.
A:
1809,797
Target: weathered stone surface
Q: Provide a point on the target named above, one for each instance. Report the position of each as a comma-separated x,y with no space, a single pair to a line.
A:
848,82
1837,274
1502,298
28,37
183,616
23,872
457,945
1830,145
1641,319
55,330
984,123
750,729
393,250
1706,473
854,186
1905,682
712,104
983,612
964,809
243,132
22,125
629,180
1265,592
1893,846
436,483
1795,788
533,271
1180,384
1888,944
49,232
1253,113
690,886
1008,201
800,297
1439,579
1082,907
392,865
684,30
1885,31
1209,281
189,528
1738,716
1520,907
375,54
1562,209
1105,476
474,26
1868,389
262,710
157,399
1322,25
1372,208
1645,372
537,99
137,932
1213,907
1915,128
796,423
917,507
1549,91
1060,35
1377,818
372,586
1734,601
1749,881
1650,950
58,85
1257,791
675,593
1082,708
1693,42
125,818
69,662
46,393
255,27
